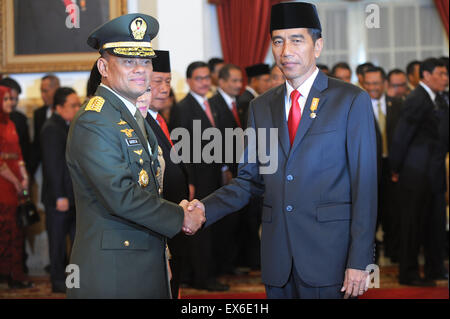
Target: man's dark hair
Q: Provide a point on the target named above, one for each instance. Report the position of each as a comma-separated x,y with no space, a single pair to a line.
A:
429,65
11,83
213,62
224,72
410,66
193,66
360,69
61,95
315,34
322,67
340,65
445,60
394,71
54,80
376,69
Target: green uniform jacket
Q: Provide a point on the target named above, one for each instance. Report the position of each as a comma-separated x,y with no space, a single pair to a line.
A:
122,225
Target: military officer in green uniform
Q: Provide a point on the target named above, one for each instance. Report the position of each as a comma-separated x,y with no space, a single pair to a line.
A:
122,221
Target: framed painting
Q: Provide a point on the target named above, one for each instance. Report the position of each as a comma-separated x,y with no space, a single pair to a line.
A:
50,35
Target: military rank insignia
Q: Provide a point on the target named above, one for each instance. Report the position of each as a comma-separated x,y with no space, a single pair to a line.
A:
128,132
95,104
143,178
138,152
122,122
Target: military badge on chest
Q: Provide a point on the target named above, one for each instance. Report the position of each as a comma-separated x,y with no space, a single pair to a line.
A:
143,178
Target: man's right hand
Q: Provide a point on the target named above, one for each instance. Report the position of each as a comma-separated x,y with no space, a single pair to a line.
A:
194,217
62,204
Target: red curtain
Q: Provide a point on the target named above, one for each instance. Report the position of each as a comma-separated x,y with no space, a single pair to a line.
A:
442,7
244,30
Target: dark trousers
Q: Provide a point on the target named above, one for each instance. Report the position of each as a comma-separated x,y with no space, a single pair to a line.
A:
422,223
296,288
249,242
59,225
199,266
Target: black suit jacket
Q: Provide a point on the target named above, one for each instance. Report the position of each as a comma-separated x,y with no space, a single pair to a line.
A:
21,123
393,111
56,178
225,120
417,150
175,181
39,118
206,177
243,103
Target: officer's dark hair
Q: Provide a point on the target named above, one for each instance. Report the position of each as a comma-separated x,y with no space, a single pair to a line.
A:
213,62
193,66
360,69
54,80
378,69
224,72
340,65
322,67
429,65
394,71
11,83
94,80
410,66
61,95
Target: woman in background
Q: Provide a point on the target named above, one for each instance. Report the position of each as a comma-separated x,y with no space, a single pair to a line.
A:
13,181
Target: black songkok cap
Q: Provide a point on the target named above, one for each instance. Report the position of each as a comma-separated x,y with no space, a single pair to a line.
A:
289,15
257,69
162,62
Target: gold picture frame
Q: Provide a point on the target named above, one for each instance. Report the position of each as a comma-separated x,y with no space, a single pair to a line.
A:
12,62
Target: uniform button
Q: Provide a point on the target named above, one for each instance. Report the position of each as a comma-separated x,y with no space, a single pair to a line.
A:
141,161
160,191
126,243
289,177
289,208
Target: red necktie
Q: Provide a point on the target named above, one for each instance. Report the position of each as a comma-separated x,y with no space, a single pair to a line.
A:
295,114
235,114
208,113
164,127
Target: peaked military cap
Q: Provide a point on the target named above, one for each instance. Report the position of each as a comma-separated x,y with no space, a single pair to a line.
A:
161,63
288,15
129,35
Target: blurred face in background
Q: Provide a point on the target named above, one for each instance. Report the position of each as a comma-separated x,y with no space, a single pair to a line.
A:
436,80
48,89
276,77
160,84
7,102
70,107
397,85
200,81
233,85
343,74
414,77
261,83
143,102
215,74
374,84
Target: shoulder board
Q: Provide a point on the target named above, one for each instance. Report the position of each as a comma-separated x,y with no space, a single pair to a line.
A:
95,104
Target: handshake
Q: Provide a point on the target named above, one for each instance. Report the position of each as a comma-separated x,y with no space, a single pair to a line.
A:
194,216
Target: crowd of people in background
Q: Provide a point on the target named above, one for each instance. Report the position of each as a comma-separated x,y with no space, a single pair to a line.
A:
411,112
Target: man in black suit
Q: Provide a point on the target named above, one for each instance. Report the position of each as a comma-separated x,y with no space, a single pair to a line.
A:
258,77
195,114
49,85
57,191
417,158
386,111
227,233
175,181
19,119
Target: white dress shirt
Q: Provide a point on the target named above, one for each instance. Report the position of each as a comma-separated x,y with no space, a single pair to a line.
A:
304,91
252,91
429,91
228,99
200,99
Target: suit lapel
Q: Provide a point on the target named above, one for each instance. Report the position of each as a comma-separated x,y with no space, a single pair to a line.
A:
277,106
319,85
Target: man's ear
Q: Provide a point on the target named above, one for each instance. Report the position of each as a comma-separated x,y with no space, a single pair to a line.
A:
102,66
318,46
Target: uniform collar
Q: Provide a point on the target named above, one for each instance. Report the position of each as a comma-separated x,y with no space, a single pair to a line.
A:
130,106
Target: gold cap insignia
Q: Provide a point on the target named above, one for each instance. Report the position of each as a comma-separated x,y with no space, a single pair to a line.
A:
143,178
128,132
138,27
95,104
